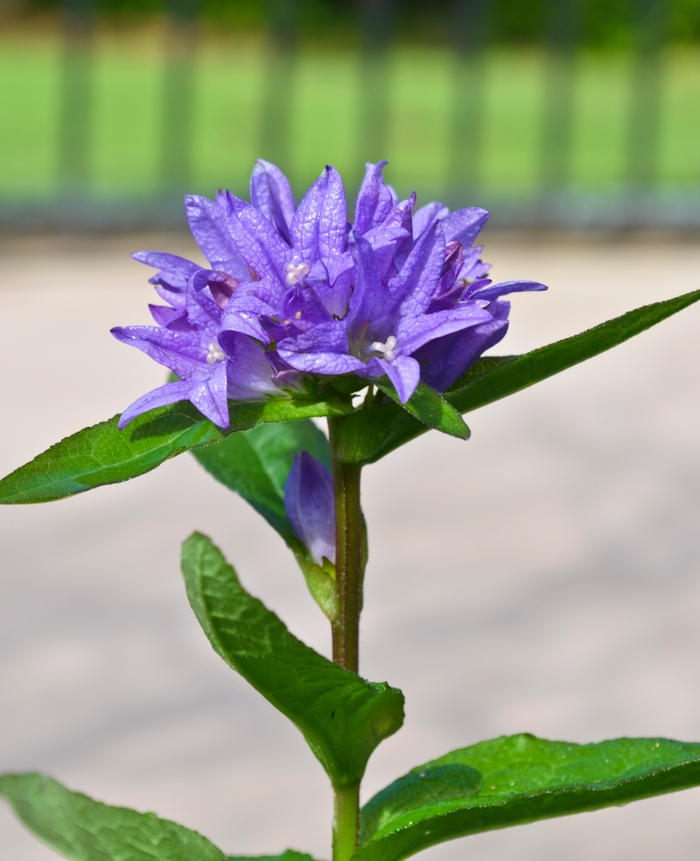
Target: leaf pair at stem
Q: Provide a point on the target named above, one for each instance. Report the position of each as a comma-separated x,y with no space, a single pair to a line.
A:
495,784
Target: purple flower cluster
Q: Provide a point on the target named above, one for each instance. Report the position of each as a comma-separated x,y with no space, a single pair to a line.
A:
296,292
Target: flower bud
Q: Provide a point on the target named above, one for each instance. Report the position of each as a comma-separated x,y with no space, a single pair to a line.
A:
309,505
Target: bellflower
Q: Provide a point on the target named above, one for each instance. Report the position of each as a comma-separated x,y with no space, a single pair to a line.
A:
301,267
408,283
309,505
294,291
445,359
387,321
186,342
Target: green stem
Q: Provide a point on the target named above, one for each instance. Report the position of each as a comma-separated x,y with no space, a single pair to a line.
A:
346,822
349,560
349,571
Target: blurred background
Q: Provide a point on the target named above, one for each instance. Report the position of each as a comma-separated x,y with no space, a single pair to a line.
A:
543,577
554,112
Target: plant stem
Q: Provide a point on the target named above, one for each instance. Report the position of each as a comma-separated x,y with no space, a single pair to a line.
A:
346,822
348,560
349,572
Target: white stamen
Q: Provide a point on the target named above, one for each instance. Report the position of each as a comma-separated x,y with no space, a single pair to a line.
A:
387,348
215,353
296,271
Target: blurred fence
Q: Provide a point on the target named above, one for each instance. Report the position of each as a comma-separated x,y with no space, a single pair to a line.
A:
102,127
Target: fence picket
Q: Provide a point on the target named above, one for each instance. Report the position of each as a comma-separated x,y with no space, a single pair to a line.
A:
276,115
176,167
470,42
376,22
75,123
559,96
569,147
645,95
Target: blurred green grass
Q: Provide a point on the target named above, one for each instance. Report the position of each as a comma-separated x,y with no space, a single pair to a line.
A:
128,76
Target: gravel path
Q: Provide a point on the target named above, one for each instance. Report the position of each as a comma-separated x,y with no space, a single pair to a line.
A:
544,576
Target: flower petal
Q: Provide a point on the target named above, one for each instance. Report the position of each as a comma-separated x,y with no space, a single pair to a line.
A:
207,220
242,315
304,228
170,393
181,352
413,332
249,372
463,225
171,288
174,272
333,223
426,216
506,287
321,350
371,304
446,359
303,307
415,284
167,262
396,225
271,194
326,364
403,371
262,248
203,313
210,395
335,294
165,316
472,265
375,200
319,227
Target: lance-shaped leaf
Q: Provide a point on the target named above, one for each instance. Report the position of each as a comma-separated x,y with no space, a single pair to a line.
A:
86,830
289,855
342,717
368,435
102,454
431,409
514,780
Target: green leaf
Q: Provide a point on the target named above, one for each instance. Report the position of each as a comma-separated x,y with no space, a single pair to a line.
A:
86,830
104,455
320,581
342,717
517,779
431,409
417,790
289,855
368,435
256,463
